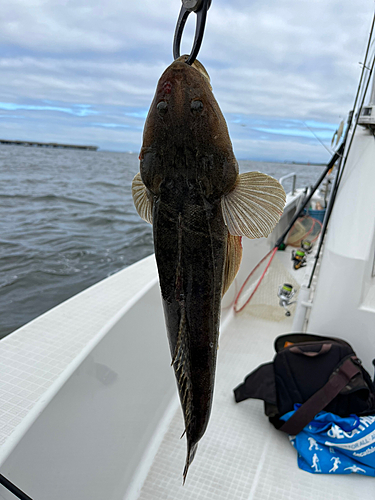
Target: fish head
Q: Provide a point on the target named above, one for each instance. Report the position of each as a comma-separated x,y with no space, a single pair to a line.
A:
185,133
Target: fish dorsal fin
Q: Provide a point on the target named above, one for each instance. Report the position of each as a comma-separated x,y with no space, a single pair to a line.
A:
254,206
142,199
232,260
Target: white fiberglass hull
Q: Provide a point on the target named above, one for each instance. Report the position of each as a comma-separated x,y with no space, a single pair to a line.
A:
100,417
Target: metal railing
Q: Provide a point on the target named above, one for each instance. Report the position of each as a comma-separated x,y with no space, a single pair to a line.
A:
284,177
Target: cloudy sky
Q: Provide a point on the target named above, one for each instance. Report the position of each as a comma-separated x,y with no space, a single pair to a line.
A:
85,71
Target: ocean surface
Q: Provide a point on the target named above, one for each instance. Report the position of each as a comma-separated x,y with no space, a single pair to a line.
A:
68,221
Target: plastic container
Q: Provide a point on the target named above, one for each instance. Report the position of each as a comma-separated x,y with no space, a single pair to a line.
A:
316,214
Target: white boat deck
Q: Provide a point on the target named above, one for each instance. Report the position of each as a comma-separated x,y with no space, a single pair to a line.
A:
34,357
242,456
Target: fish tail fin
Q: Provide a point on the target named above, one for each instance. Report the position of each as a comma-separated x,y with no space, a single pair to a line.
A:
191,449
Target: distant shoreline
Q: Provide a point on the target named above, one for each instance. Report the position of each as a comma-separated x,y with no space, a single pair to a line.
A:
287,162
47,145
305,163
95,148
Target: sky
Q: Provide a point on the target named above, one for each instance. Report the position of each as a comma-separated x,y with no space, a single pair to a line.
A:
284,73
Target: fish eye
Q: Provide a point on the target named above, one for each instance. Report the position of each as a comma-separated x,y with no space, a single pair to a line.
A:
162,107
196,106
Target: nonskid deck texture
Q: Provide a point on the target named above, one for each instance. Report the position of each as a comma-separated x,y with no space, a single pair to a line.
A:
241,456
35,356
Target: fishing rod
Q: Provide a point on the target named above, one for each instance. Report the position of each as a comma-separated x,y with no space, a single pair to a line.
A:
364,67
344,160
13,488
272,252
337,155
200,7
329,166
330,204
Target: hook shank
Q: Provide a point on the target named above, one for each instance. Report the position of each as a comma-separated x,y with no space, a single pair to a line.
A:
200,7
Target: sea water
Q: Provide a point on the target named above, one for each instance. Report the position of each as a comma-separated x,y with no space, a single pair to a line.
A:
67,221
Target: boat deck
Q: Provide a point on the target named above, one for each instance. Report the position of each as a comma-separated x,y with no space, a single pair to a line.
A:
100,413
36,356
241,456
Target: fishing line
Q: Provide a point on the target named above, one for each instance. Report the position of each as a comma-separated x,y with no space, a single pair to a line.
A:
364,63
316,137
338,155
363,96
357,117
338,181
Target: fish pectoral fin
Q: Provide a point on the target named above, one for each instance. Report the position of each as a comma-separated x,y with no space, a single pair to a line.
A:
142,199
232,260
254,206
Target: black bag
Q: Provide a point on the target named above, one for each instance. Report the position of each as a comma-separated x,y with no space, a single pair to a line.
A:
320,373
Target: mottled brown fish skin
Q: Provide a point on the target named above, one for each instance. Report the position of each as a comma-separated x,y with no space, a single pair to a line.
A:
187,164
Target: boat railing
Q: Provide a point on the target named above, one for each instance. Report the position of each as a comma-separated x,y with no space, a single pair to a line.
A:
288,176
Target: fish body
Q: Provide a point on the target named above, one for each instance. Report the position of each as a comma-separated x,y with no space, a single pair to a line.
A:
189,188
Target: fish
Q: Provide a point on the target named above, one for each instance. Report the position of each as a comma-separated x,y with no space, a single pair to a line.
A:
190,190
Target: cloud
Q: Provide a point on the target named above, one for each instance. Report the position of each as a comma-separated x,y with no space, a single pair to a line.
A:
76,81
52,26
98,63
77,110
110,125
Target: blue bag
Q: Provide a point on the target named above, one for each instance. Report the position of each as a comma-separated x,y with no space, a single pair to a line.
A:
330,444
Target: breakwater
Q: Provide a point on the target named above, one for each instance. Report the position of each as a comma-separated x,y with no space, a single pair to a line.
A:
47,145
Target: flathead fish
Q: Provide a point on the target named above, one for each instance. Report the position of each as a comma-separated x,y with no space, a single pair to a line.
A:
190,190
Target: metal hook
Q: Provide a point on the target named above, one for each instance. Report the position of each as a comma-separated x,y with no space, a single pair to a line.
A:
200,7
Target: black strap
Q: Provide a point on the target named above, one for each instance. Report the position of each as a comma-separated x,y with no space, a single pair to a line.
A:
13,488
259,384
321,398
